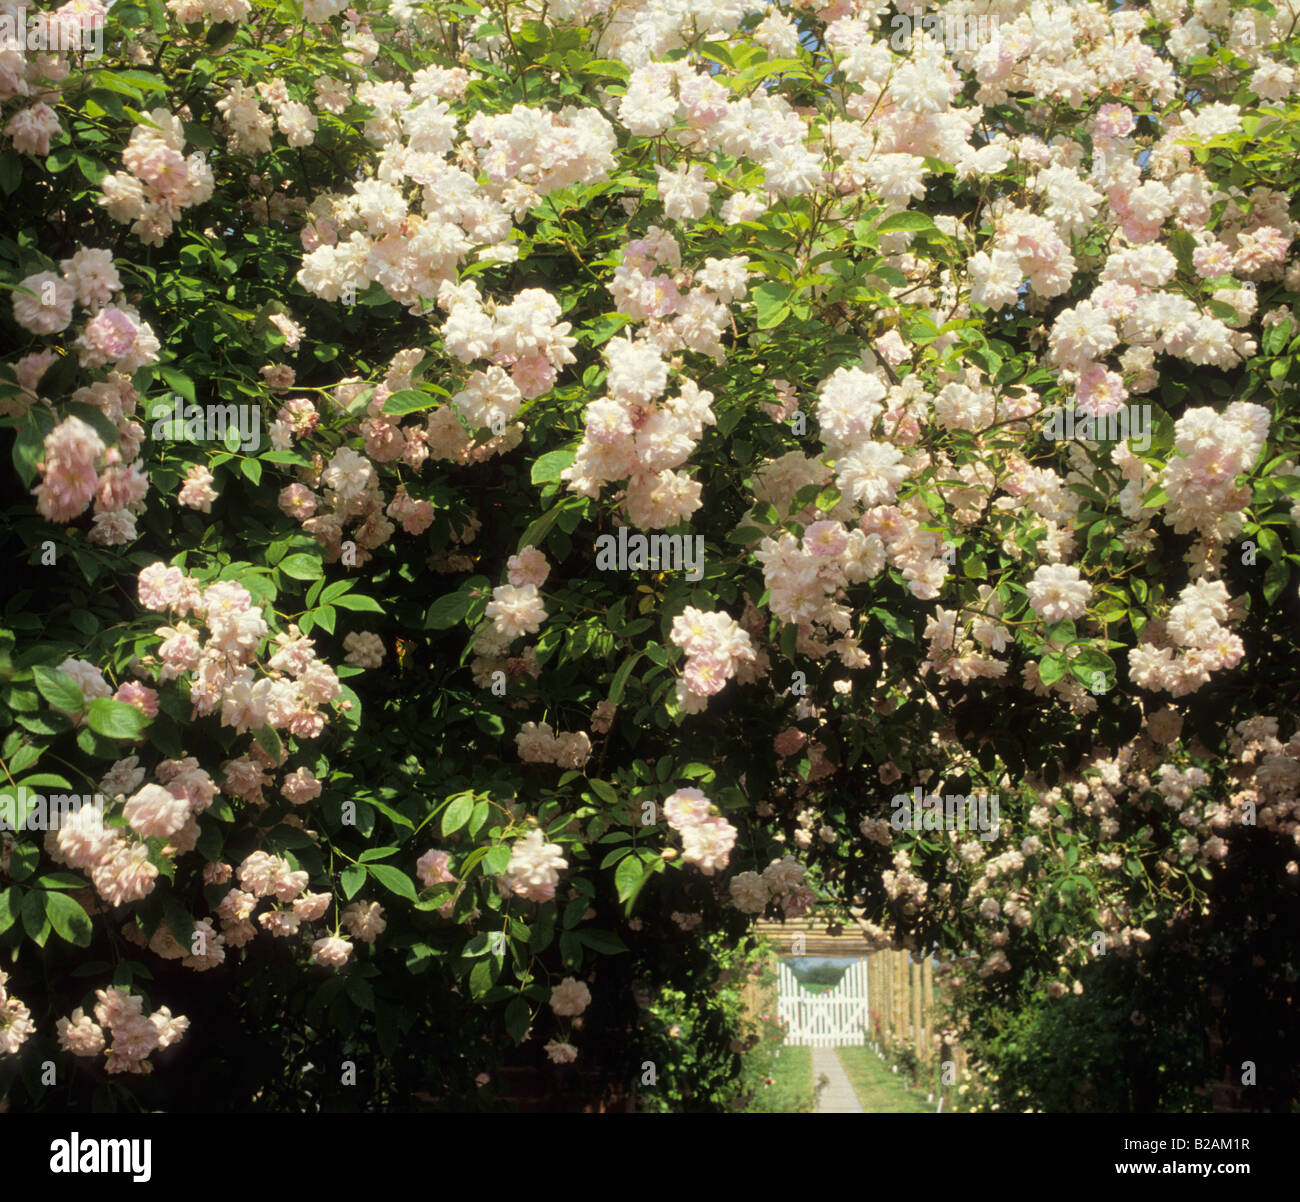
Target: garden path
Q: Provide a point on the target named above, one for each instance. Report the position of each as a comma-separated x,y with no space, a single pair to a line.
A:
838,1097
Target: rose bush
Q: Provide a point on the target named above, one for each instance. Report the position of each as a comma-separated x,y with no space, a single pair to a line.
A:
342,338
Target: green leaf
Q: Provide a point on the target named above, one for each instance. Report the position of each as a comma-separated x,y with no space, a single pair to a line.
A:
446,611
394,880
376,853
301,566
408,400
361,992
483,975
905,221
619,683
631,875
457,813
269,741
24,758
605,791
23,863
482,812
772,303
115,719
1052,667
29,446
482,944
33,912
605,942
351,879
518,1018
1275,579
59,880
59,689
547,469
895,625
178,382
358,603
1093,669
70,922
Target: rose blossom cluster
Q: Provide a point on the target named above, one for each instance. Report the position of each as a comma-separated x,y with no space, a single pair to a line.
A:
526,345
159,182
707,839
687,105
330,496
1267,776
195,12
534,868
537,743
490,657
716,648
261,876
781,880
134,1034
433,868
16,1024
220,668
539,152
52,36
1057,593
630,436
650,284
516,609
1211,450
77,467
372,235
1179,655
119,868
956,647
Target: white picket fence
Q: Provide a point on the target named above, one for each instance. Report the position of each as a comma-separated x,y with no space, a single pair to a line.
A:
823,1020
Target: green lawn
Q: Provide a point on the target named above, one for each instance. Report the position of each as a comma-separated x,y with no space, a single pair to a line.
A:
879,1090
791,1091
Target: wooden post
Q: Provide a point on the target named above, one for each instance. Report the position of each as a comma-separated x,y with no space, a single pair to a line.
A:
886,993
927,1007
914,976
870,994
900,965
887,958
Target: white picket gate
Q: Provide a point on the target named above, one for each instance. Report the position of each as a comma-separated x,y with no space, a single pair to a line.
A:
823,1020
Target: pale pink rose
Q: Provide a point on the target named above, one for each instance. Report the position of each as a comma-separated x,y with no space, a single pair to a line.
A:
50,309
561,1053
80,1034
144,699
311,906
300,786
155,814
432,868
686,807
197,491
365,920
570,997
528,567
331,951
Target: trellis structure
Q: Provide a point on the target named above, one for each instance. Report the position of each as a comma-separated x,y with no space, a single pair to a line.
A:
835,1018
